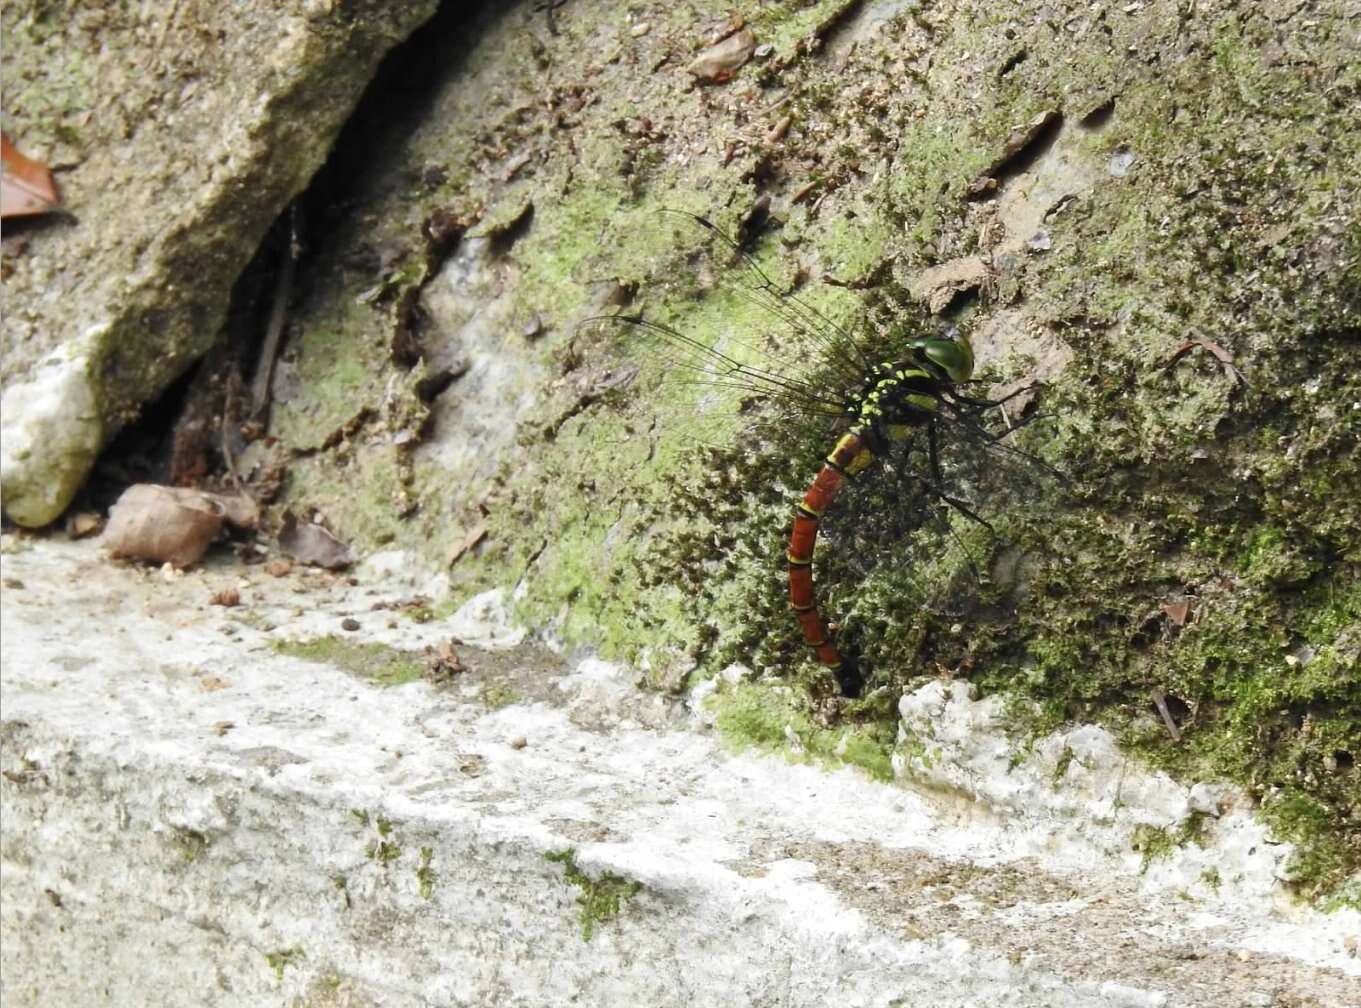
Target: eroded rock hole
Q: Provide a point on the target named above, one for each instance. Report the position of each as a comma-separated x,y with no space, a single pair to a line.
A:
192,432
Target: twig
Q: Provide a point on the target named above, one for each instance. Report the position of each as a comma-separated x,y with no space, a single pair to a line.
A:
278,316
1160,701
1218,352
224,429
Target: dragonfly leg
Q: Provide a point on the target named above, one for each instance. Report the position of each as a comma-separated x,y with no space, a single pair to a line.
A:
849,678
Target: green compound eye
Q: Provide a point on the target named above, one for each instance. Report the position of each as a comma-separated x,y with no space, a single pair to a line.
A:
955,357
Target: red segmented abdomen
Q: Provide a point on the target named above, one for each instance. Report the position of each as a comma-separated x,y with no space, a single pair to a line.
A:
850,457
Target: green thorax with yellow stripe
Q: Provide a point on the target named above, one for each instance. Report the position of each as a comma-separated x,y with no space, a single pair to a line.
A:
901,395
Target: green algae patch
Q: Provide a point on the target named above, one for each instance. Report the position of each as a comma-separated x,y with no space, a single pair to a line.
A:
496,695
601,899
1154,843
281,959
426,876
376,663
772,717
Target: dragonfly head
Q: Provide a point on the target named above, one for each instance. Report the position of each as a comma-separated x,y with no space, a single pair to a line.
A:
952,354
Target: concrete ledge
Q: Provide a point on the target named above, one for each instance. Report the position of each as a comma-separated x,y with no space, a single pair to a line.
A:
191,817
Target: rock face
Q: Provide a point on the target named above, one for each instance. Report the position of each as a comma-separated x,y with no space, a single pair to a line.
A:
179,132
1177,215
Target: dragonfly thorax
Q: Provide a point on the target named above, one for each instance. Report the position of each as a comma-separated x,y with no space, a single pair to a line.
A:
897,397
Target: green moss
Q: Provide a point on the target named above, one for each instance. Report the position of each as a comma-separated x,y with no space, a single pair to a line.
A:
385,850
190,843
496,695
1154,843
425,875
774,718
280,959
342,886
1062,764
377,663
601,899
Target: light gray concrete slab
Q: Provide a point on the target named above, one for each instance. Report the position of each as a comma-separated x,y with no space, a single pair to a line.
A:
191,817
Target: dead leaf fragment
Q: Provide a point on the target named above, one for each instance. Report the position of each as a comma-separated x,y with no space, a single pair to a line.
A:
162,524
26,185
311,543
278,567
227,598
475,535
222,727
445,663
212,683
237,509
1215,350
720,62
1177,613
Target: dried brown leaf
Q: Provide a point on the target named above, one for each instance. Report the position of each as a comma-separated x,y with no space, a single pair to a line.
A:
162,524
444,662
1177,612
311,543
237,509
475,535
26,185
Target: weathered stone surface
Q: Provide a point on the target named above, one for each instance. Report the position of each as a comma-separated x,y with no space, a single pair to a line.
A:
179,132
191,817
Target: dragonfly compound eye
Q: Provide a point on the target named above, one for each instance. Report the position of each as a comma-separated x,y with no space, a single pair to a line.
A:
955,357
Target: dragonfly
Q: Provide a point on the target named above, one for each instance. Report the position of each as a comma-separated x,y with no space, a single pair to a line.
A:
878,403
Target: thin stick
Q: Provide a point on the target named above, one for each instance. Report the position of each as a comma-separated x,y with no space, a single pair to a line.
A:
1160,701
278,316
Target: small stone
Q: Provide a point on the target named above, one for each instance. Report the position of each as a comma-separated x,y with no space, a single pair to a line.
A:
640,29
519,742
82,524
1120,163
278,567
349,623
721,61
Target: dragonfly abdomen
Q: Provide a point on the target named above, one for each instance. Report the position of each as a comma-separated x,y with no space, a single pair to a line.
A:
897,399
851,456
